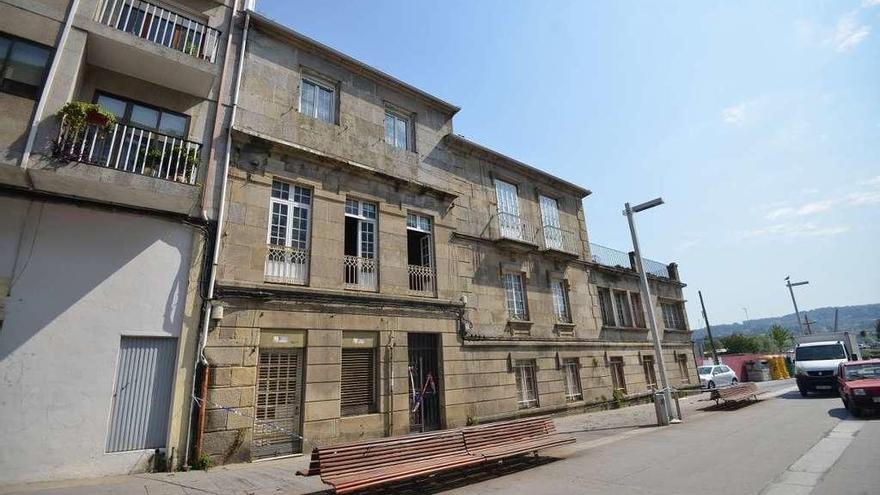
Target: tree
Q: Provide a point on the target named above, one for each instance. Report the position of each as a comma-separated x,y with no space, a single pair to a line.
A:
780,338
738,343
877,329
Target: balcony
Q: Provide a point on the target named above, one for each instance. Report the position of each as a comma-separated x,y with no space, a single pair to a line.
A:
422,280
360,273
287,265
162,26
560,243
130,149
604,256
512,232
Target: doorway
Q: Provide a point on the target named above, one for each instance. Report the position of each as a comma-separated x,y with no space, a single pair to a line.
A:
279,403
424,381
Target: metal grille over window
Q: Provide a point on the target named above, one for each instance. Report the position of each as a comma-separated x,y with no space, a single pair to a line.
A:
359,380
510,224
278,404
571,378
560,301
526,383
420,255
287,256
515,295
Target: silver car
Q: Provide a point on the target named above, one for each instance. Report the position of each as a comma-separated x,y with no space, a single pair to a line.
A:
715,376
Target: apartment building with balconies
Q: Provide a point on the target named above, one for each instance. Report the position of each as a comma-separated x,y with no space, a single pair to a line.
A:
382,275
102,237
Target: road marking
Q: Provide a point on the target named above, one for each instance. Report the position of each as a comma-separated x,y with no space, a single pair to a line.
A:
805,473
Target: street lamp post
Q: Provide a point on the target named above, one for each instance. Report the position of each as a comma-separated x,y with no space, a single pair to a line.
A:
629,212
797,314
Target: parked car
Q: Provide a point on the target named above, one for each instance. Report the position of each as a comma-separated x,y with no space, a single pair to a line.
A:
714,376
859,385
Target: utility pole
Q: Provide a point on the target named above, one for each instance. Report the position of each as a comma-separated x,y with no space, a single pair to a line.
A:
835,319
649,305
794,302
747,315
708,329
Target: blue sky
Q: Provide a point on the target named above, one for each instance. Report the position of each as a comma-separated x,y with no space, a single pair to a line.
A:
758,123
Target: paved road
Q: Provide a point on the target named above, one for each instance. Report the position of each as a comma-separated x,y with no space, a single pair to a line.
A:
786,445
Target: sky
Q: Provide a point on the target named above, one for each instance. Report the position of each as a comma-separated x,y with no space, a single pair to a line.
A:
757,122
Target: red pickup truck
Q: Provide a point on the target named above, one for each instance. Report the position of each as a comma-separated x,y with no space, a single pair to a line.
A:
859,385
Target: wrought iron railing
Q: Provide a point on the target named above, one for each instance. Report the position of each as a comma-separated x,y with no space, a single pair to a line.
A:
360,273
160,25
131,149
513,227
422,279
611,257
287,265
557,239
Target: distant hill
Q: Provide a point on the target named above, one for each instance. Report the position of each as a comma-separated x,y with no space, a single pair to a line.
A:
850,318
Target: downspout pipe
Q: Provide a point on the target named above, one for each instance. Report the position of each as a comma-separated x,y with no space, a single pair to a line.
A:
221,217
44,95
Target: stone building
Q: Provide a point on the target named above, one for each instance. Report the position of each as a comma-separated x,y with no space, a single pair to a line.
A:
380,274
102,232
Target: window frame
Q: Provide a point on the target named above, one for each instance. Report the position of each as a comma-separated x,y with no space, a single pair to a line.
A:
683,368
4,63
318,84
409,124
638,310
362,219
526,370
373,350
562,286
511,312
648,368
129,104
623,313
571,378
618,366
606,307
290,204
673,319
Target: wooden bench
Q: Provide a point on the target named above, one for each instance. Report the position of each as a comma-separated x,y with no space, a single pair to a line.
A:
359,465
734,393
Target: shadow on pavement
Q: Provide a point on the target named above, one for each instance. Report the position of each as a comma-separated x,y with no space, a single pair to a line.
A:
456,479
797,395
607,428
729,406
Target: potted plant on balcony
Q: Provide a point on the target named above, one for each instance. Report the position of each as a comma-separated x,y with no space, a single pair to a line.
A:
77,114
189,160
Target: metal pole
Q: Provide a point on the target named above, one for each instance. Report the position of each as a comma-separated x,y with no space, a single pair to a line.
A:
796,312
708,329
835,319
652,318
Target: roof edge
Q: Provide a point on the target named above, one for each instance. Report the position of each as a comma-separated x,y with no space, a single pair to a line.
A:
376,73
461,141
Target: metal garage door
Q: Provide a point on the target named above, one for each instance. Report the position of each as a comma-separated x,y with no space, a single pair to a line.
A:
279,403
142,398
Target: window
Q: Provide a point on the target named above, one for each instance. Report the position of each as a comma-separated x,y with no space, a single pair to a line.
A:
526,383
673,317
508,210
560,301
515,295
420,253
145,116
397,130
618,379
360,264
22,66
648,367
605,307
287,258
550,223
624,317
358,373
317,101
683,368
637,310
571,378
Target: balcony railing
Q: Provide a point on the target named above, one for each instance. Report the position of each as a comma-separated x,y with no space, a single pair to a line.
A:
159,25
422,280
556,239
512,227
655,268
614,258
287,265
131,149
360,273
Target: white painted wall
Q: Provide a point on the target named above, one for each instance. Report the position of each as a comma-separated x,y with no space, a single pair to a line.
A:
83,278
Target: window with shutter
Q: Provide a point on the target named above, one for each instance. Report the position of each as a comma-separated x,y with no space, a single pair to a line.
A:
358,381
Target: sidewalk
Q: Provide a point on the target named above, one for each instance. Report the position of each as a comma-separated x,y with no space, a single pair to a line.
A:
278,476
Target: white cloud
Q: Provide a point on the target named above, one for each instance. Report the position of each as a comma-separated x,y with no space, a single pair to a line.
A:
806,209
785,230
866,4
862,198
849,33
866,192
735,115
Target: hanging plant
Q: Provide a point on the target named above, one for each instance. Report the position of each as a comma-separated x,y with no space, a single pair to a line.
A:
78,114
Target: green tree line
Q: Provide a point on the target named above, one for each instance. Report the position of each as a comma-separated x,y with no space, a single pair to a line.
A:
776,339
